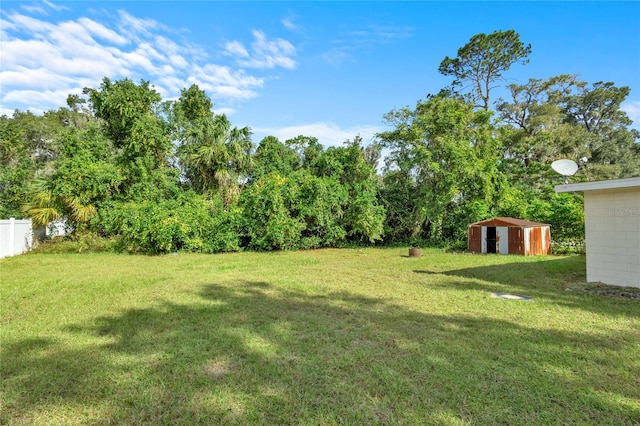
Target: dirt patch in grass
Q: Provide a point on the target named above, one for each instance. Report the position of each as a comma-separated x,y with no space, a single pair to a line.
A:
217,370
613,291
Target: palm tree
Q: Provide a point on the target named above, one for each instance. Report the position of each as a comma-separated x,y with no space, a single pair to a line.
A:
41,207
216,156
44,207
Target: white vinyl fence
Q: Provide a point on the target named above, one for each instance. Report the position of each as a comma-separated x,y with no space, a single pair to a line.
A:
16,236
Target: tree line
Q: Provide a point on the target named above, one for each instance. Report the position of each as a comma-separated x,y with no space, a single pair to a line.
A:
122,165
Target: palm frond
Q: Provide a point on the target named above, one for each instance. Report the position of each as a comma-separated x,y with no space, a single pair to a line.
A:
80,213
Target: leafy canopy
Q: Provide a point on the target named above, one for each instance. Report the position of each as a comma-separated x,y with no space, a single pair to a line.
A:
482,61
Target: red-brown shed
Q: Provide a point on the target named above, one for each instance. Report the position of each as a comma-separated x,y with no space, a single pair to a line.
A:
506,235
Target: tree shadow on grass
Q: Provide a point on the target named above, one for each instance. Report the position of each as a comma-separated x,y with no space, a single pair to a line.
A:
563,284
253,353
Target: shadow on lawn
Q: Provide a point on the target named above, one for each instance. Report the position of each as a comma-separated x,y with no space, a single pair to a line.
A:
564,284
251,353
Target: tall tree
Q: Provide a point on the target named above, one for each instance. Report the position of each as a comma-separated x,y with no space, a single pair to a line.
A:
363,217
121,104
562,117
30,146
18,166
442,156
82,176
195,104
130,120
372,152
274,156
535,131
481,62
613,144
308,149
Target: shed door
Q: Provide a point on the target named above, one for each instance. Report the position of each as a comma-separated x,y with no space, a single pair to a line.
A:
475,238
502,240
483,240
516,239
491,239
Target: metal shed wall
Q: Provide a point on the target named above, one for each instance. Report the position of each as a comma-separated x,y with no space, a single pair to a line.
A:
475,239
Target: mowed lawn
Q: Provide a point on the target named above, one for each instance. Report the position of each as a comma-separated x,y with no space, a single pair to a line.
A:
326,337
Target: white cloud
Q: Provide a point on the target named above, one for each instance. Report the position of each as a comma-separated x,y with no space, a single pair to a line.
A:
138,59
6,111
368,37
235,48
272,53
34,8
381,33
337,55
37,79
232,92
150,52
225,81
33,25
37,97
134,28
39,9
55,6
328,134
169,86
289,24
44,60
632,108
102,32
168,46
264,53
225,111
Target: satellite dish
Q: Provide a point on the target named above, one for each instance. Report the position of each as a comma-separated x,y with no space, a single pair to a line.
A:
565,167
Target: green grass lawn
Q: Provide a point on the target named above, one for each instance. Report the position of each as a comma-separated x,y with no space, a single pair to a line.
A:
326,337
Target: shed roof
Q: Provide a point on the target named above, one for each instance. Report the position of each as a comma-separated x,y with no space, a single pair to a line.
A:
508,221
600,185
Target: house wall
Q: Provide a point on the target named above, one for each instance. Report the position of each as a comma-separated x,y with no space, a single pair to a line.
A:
612,225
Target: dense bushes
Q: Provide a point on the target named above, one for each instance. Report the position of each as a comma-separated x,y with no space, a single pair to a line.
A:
186,223
298,211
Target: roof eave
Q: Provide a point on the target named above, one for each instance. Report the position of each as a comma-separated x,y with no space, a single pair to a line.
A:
601,185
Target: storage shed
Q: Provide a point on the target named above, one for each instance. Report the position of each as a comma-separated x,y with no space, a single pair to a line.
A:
506,235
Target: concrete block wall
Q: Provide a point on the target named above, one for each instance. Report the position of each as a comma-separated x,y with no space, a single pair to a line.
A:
612,222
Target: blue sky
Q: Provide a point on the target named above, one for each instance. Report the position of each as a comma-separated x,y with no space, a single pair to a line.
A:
324,69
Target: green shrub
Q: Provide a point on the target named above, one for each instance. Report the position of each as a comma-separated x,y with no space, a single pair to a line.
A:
567,217
78,242
297,211
267,213
186,223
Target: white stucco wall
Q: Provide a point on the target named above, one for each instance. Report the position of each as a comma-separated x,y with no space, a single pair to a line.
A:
612,226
